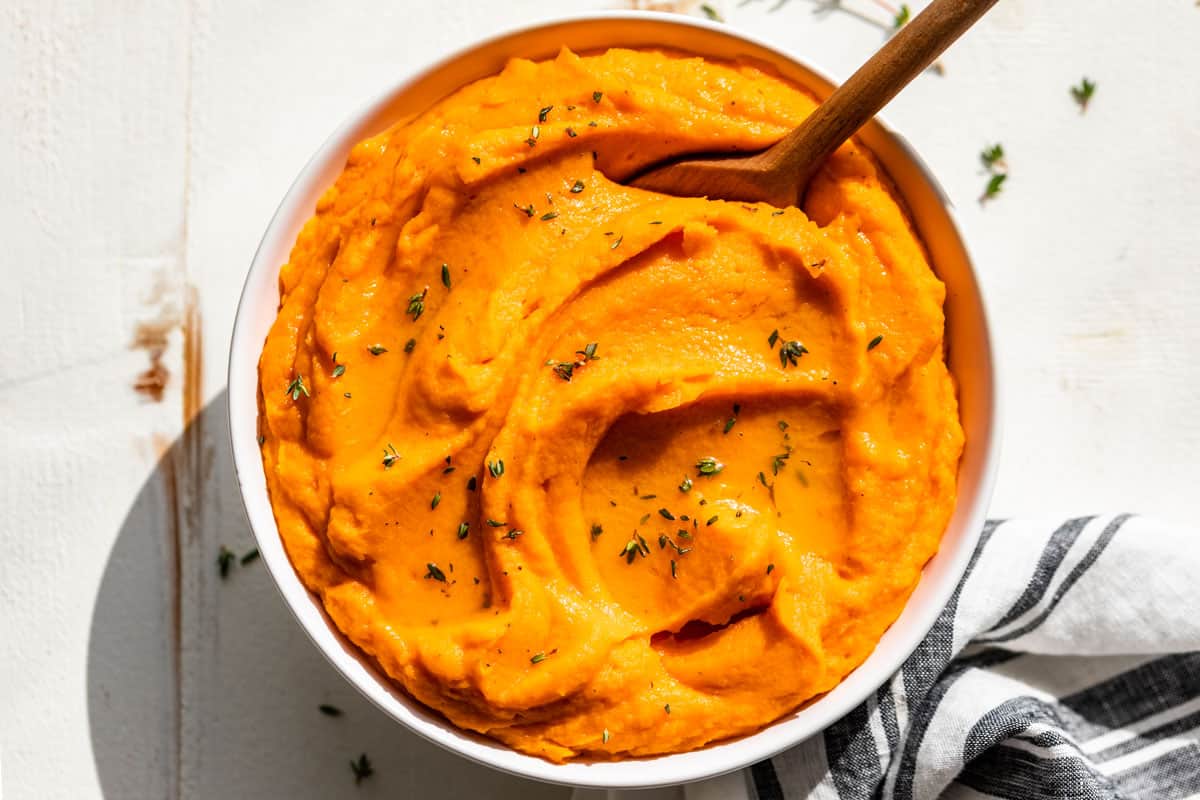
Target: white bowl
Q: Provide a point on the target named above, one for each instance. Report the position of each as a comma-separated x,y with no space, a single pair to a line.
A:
970,358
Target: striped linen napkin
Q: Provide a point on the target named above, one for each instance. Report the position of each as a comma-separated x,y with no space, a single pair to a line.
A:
1064,666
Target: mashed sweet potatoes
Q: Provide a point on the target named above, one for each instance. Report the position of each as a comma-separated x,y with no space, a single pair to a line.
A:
594,471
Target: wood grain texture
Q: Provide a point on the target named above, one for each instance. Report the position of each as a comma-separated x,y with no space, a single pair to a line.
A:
144,146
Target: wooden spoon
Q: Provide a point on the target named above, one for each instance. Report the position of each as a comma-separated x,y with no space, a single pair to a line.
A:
779,174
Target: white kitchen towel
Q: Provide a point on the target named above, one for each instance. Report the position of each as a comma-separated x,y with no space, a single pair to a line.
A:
1064,666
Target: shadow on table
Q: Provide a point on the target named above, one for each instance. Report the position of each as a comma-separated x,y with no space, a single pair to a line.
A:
200,687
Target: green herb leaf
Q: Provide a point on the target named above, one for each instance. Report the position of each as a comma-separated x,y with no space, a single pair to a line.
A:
773,338
597,530
549,215
339,370
329,711
1083,94
437,499
790,352
709,466
297,388
577,187
685,485
250,557
665,514
994,184
667,708
596,96
514,533
416,304
225,560
903,15
432,571
496,524
604,736
779,462
711,521
571,134
992,157
528,210
770,568
673,573
871,345
711,13
537,658
565,370
496,467
617,243
390,456
376,349
446,275
362,769
464,530
544,113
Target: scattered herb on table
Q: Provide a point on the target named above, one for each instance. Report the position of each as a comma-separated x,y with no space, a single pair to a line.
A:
711,13
902,16
1083,93
250,557
329,711
994,184
362,769
225,560
993,161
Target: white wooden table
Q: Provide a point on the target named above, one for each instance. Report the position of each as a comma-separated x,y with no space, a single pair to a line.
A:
143,147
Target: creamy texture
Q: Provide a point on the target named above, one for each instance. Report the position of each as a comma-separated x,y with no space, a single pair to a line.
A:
701,522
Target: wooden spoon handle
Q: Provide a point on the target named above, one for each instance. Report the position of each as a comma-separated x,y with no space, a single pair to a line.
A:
913,48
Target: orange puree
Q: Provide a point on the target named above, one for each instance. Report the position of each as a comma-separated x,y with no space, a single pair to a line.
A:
594,471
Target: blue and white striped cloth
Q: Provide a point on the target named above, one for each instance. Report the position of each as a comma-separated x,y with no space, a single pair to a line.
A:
1065,666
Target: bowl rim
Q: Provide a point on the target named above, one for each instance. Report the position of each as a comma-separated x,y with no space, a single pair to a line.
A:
306,607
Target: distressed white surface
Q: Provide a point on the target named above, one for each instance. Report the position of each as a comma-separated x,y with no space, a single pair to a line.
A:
143,146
